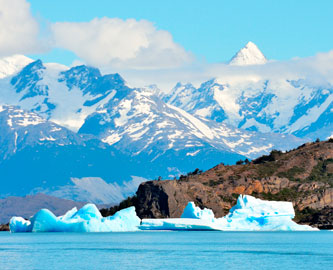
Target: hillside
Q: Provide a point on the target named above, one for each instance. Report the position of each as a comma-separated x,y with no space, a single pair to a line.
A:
303,176
29,205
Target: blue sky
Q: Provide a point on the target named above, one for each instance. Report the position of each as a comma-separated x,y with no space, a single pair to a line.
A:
211,30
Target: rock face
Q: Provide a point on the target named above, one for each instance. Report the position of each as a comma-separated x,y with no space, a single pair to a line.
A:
323,218
303,176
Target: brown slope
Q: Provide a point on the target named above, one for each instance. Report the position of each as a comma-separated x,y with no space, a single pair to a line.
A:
303,176
31,204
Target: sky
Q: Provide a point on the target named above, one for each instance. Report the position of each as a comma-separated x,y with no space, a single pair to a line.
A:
163,42
213,30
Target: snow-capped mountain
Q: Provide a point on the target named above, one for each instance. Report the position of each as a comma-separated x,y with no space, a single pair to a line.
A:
37,155
278,105
12,64
65,96
249,55
141,124
20,129
78,134
69,96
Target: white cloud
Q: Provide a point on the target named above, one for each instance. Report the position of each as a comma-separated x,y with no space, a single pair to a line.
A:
140,52
316,70
18,28
120,43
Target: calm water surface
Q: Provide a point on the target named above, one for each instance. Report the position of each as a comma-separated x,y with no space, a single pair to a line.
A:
167,250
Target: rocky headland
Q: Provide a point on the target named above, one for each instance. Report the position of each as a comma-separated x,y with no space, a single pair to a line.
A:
303,176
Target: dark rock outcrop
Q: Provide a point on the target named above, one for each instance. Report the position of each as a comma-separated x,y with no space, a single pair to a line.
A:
4,227
322,219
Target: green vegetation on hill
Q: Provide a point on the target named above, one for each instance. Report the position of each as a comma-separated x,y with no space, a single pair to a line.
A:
322,172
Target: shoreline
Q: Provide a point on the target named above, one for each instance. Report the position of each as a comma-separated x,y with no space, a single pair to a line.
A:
4,227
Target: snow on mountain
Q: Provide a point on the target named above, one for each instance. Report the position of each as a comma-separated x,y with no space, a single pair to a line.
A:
37,155
126,133
65,96
249,55
13,64
278,105
143,126
21,128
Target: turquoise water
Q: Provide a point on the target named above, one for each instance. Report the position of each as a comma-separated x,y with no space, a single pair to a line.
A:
167,250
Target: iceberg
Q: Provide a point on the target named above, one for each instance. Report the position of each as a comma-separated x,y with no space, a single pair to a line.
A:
87,219
192,211
193,219
19,224
252,214
249,214
179,224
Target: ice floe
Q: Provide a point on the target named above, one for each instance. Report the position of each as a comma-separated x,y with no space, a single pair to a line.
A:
252,214
249,214
192,211
87,219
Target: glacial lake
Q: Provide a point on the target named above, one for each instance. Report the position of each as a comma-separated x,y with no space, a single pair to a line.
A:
167,250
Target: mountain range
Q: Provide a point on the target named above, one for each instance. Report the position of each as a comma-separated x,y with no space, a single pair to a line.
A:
259,101
78,134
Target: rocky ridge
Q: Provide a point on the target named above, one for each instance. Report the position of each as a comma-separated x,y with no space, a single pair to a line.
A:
303,176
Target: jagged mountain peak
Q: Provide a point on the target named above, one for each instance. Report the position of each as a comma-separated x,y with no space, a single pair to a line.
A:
31,71
79,76
28,78
299,107
90,80
180,84
61,94
249,55
83,70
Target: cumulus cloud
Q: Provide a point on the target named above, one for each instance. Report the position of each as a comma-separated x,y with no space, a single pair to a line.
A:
18,28
129,44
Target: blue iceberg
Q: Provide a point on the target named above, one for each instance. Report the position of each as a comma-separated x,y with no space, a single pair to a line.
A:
252,214
192,211
249,214
87,219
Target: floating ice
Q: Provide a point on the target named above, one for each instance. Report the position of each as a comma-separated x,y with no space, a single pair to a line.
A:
19,224
192,211
179,224
87,219
252,214
249,214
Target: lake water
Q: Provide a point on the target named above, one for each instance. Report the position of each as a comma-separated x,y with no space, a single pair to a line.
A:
167,250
